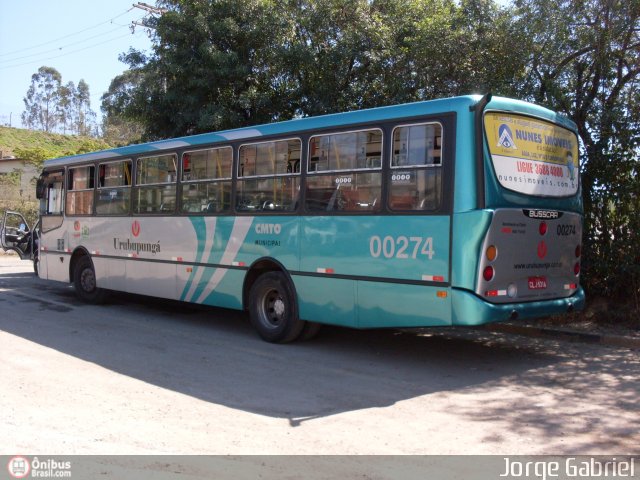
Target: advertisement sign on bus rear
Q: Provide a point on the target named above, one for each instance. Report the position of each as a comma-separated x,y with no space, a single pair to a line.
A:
532,156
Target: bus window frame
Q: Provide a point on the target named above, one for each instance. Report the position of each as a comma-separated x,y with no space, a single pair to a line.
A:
67,184
442,165
380,169
344,132
99,163
442,143
273,140
237,178
175,182
62,172
182,182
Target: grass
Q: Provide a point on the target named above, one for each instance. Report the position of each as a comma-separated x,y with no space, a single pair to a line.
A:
12,140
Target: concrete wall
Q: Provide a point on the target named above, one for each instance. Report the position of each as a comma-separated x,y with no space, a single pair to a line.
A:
25,189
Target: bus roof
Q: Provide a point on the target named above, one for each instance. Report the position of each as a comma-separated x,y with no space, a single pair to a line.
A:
306,124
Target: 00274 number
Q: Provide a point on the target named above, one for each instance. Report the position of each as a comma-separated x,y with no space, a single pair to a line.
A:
401,247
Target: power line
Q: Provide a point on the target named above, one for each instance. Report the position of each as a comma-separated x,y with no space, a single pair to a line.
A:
64,54
65,36
74,44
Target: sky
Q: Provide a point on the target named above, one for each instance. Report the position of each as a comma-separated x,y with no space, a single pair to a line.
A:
82,39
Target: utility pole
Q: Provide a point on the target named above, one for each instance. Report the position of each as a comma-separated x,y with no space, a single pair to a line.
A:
150,9
143,24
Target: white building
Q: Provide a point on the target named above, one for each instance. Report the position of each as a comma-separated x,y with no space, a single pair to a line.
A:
17,180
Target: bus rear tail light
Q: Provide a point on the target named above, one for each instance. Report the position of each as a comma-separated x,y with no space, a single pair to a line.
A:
542,228
578,251
492,253
576,269
488,273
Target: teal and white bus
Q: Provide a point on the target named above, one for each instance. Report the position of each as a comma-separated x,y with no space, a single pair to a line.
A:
457,211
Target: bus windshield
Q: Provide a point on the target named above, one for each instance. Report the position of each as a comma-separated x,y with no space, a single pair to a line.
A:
532,156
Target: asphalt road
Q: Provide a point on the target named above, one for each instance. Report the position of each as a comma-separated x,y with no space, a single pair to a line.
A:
145,376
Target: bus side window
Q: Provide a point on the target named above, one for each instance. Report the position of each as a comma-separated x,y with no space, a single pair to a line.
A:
415,181
345,172
80,190
206,177
50,193
269,176
155,188
114,188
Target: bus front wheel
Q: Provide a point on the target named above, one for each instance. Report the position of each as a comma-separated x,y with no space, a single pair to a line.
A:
84,281
273,309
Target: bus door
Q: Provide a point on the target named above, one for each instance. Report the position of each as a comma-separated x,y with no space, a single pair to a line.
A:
16,235
49,190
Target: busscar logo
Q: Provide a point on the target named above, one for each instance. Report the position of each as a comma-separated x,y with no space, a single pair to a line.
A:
545,214
505,137
19,467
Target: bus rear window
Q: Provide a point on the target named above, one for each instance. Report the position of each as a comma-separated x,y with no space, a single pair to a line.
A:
532,156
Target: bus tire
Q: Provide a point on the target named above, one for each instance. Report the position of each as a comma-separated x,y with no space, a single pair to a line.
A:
310,331
84,281
273,308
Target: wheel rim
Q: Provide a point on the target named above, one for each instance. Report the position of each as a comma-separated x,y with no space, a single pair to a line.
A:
88,280
273,309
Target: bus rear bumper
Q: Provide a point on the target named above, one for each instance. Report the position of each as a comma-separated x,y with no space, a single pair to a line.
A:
469,309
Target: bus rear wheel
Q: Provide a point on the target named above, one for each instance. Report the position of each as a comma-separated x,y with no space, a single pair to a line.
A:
84,281
273,309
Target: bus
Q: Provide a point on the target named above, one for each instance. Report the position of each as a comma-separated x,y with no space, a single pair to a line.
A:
451,212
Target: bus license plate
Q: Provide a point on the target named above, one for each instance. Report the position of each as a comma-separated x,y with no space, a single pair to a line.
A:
537,283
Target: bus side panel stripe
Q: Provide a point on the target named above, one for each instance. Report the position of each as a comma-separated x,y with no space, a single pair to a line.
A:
240,230
206,235
199,226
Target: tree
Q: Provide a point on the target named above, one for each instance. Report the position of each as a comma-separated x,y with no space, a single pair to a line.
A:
225,63
84,117
51,106
65,106
122,124
207,71
333,56
42,100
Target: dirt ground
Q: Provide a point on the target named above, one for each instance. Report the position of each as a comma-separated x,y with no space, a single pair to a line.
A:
145,376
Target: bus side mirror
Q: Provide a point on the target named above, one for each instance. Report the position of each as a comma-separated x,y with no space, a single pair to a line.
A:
40,188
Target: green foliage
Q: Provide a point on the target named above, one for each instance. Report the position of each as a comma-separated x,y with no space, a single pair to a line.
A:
36,146
34,155
42,101
51,106
229,63
10,179
29,210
